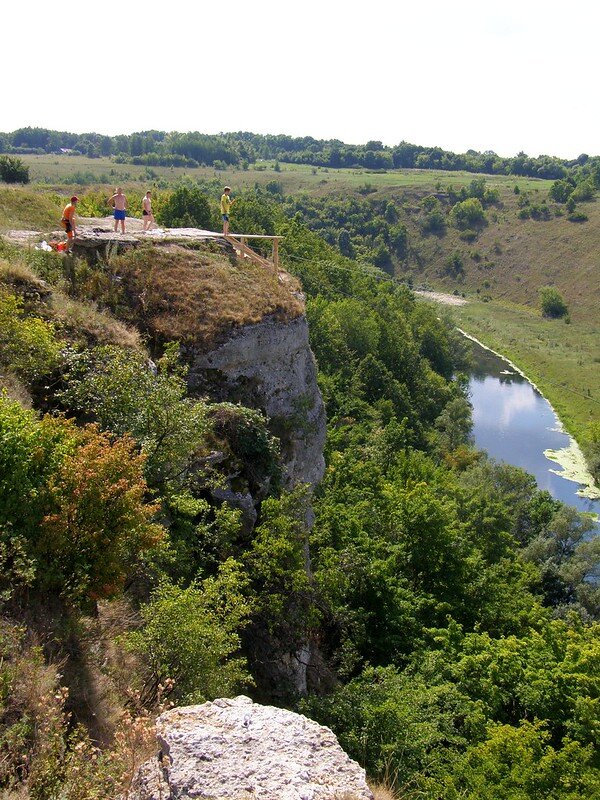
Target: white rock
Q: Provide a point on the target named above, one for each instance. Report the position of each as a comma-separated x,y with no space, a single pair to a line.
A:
233,749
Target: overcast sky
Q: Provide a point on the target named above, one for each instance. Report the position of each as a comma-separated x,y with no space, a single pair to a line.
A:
503,76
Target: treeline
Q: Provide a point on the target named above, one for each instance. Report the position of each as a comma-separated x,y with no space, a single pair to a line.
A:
159,148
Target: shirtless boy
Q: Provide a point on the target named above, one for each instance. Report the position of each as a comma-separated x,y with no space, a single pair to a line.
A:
119,202
68,221
147,211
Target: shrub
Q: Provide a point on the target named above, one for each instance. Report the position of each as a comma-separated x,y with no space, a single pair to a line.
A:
560,191
126,396
97,521
72,502
577,216
187,207
13,170
434,222
191,635
584,191
28,345
552,302
454,264
468,213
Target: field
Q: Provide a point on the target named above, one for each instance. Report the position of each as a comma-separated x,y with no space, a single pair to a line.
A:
65,170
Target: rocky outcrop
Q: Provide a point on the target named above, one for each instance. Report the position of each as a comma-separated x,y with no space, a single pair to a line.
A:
270,366
240,750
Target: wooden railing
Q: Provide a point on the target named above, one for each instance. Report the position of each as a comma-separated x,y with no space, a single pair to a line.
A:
243,249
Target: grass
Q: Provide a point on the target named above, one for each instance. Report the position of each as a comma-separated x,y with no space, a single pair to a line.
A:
512,258
198,296
61,170
562,360
76,320
28,209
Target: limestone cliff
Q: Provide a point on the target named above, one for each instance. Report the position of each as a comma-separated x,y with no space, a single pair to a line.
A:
270,366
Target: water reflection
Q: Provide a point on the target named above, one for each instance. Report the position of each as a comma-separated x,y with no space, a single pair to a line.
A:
515,424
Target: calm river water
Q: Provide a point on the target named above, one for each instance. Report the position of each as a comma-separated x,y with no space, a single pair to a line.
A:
515,424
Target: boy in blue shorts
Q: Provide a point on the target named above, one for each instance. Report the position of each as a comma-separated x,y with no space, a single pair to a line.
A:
119,202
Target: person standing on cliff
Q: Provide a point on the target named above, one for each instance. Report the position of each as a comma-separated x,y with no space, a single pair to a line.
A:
68,221
147,211
226,203
119,202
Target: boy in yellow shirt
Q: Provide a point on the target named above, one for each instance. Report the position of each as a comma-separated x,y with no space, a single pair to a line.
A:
226,203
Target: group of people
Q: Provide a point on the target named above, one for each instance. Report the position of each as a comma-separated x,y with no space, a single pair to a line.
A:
118,201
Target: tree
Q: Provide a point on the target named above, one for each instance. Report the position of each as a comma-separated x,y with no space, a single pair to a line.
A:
468,213
13,170
191,635
187,207
552,302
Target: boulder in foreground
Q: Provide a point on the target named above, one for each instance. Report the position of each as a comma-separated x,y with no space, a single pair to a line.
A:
236,750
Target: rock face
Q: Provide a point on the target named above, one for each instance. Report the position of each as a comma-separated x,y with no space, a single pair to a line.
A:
270,366
240,750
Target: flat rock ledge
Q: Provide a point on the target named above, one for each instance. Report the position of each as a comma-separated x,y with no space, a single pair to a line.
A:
235,749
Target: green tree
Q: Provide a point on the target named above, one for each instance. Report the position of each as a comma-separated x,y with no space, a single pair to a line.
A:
552,302
191,636
13,170
187,207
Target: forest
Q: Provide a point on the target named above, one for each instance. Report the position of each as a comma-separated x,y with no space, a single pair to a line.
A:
190,149
449,600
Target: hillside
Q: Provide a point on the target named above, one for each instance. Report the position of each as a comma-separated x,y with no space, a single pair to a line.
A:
213,483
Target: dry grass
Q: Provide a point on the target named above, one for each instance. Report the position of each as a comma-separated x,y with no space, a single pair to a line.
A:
76,319
15,390
382,792
79,318
191,295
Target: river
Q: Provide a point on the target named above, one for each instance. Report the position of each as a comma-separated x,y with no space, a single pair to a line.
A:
514,423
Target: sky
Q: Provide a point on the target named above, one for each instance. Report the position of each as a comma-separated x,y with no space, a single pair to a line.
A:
504,76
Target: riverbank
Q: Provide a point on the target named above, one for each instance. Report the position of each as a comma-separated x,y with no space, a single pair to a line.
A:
571,459
561,360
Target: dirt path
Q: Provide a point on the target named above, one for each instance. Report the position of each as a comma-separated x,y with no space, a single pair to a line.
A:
441,297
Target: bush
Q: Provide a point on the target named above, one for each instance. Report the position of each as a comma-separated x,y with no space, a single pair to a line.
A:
191,635
560,191
72,500
187,207
28,345
13,170
468,213
552,302
125,395
454,264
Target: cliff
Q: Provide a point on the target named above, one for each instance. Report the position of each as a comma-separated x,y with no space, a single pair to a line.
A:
270,366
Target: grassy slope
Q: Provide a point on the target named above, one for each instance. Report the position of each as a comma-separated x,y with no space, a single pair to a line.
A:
517,257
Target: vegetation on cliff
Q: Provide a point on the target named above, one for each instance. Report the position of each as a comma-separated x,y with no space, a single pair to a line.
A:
448,612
